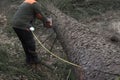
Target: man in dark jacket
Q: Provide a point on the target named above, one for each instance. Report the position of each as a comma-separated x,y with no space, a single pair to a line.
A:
23,19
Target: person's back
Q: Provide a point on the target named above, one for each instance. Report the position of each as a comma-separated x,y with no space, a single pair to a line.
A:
26,14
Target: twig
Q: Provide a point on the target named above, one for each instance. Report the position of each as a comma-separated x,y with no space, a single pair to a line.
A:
48,66
53,43
47,38
68,75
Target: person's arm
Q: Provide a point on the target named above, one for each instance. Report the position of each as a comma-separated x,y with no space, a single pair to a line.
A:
40,15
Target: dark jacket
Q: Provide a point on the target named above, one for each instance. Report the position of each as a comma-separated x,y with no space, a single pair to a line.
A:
26,14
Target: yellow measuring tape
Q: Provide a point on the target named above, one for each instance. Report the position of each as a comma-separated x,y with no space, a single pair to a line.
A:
53,53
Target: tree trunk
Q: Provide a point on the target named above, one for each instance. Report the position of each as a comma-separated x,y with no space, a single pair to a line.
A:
87,47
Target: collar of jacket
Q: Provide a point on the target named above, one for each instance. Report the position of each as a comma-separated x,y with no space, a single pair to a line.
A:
30,1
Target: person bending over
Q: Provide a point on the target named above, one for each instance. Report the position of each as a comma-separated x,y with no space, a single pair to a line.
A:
23,19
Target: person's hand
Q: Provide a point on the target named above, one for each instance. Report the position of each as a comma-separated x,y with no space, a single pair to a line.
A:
48,24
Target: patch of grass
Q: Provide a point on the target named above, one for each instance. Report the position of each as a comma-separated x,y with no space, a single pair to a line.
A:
118,78
3,55
8,29
4,59
64,71
16,68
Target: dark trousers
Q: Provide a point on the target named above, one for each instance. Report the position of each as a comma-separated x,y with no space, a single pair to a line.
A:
27,39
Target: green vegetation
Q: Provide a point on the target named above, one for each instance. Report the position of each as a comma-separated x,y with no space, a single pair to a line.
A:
118,78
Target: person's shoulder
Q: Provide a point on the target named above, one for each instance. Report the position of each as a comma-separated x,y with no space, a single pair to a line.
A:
36,4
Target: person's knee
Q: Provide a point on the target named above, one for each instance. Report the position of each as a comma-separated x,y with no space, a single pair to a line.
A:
30,45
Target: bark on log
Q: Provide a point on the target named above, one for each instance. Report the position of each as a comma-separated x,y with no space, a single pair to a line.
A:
88,47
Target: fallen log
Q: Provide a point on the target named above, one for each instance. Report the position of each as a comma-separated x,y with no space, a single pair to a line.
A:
92,49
